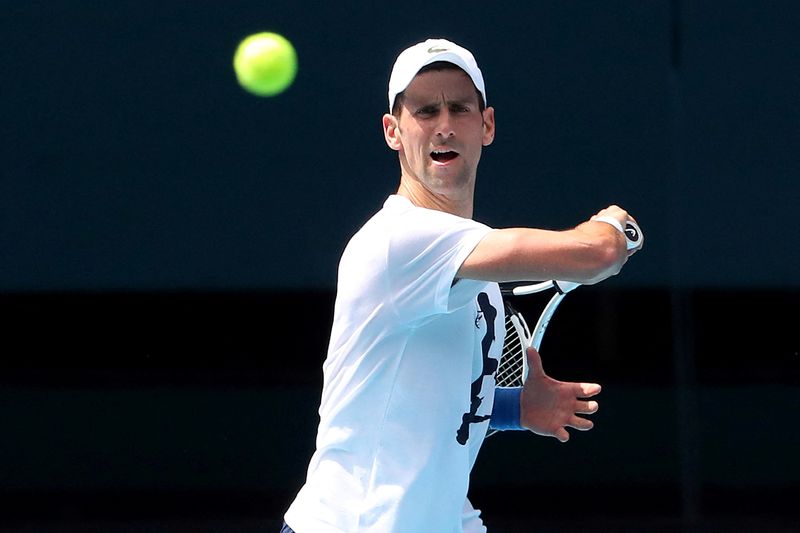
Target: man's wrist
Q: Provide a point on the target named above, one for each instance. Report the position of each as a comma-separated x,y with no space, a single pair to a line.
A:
506,411
610,220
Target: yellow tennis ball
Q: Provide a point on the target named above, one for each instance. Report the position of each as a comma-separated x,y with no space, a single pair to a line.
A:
265,63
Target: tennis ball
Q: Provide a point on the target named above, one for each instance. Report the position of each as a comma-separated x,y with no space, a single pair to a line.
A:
265,63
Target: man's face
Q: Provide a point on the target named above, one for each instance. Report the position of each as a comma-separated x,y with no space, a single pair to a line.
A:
441,131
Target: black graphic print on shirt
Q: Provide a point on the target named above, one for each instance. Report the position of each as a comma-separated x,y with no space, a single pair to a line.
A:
489,313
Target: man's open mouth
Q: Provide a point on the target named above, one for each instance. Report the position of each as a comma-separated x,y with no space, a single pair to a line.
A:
443,156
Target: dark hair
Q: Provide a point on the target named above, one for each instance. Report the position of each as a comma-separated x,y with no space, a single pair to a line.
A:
435,66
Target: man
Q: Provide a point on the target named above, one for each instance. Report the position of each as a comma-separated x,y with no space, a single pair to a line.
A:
408,390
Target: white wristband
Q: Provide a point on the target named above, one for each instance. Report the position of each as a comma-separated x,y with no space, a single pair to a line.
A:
610,220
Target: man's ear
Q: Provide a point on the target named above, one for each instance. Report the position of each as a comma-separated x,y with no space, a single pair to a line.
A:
488,126
391,131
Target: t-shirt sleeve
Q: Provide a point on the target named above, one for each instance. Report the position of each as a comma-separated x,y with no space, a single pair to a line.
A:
425,254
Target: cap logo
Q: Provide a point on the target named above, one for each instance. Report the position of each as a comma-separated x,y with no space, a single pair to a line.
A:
434,49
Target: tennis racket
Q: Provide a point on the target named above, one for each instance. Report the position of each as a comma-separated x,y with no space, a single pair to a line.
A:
513,367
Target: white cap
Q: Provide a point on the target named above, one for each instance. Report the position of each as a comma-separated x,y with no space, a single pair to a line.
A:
412,59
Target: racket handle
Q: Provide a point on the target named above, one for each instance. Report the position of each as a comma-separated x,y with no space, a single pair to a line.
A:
633,235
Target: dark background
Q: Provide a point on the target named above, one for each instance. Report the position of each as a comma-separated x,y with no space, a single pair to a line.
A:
169,246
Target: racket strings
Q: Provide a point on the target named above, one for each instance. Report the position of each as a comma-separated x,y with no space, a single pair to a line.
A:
512,363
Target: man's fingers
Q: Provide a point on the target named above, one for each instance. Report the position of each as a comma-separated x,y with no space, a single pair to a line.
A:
587,408
534,361
587,390
581,424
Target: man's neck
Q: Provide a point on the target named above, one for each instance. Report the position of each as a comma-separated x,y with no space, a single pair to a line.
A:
420,196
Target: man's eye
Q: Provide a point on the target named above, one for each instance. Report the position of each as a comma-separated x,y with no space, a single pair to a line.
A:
426,111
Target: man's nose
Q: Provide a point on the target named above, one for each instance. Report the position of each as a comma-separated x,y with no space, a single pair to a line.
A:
444,127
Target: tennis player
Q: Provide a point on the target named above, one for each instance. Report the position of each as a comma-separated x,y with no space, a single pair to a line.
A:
409,389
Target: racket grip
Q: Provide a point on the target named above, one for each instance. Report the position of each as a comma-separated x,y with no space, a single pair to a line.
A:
633,235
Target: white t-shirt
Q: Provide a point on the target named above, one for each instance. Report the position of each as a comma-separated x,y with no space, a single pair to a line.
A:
408,380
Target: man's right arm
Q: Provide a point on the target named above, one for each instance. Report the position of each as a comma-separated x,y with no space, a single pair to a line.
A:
586,254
